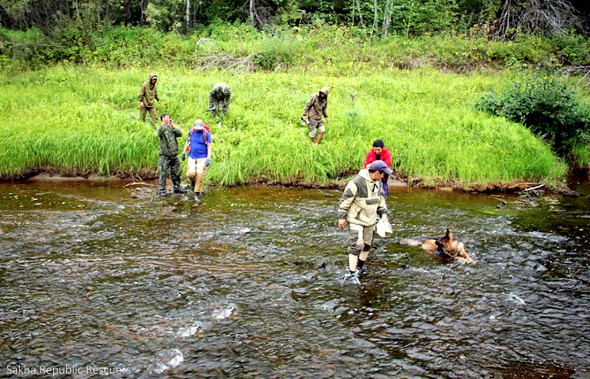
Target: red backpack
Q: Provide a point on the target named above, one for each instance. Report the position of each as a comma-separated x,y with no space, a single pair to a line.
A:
206,129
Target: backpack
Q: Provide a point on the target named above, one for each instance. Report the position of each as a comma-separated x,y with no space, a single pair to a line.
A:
206,129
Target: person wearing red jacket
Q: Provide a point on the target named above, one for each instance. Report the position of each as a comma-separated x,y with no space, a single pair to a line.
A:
380,153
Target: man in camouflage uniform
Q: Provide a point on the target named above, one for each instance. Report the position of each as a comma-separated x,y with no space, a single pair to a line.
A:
148,95
219,99
168,154
315,108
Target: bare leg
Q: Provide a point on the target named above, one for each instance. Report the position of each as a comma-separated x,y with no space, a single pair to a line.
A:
352,262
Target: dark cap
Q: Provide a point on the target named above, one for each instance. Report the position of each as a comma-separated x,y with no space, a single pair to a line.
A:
380,166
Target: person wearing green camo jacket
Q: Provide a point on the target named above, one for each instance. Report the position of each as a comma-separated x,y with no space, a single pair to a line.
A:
219,100
168,154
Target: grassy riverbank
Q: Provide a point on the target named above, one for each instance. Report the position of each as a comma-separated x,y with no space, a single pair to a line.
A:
76,120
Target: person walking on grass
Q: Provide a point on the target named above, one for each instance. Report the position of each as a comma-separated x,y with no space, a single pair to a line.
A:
168,154
380,152
219,100
361,203
148,95
198,147
315,108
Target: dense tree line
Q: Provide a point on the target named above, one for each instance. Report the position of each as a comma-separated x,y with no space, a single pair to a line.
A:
500,18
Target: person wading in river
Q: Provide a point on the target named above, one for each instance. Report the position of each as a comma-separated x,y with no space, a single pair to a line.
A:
380,153
361,203
198,146
168,154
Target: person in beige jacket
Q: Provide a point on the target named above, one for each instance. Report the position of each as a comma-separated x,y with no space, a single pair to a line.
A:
315,108
361,203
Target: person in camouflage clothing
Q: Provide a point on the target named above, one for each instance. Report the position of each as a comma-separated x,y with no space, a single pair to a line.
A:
315,108
219,99
168,154
148,95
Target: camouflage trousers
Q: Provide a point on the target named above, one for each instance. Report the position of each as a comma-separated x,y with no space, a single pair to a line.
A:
153,114
360,238
315,127
220,107
171,163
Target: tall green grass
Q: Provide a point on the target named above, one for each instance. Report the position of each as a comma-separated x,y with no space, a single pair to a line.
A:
76,120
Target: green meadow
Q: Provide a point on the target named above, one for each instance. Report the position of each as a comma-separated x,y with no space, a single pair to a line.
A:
75,120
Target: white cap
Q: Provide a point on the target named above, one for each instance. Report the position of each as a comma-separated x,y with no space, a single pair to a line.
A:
198,124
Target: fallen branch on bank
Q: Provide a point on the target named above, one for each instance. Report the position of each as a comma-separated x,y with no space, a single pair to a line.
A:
534,188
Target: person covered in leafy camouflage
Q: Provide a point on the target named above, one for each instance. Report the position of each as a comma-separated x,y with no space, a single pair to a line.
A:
168,154
315,108
219,99
148,95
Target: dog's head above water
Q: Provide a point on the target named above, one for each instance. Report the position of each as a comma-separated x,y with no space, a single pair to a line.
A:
448,247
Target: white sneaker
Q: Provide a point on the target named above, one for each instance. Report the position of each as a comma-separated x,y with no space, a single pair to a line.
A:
352,277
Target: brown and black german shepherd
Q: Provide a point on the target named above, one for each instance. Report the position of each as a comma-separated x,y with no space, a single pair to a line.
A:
446,247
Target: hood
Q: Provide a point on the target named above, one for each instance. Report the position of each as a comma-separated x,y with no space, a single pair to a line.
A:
364,173
221,89
325,91
152,76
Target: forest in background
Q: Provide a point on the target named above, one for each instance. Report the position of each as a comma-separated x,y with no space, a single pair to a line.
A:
411,18
46,31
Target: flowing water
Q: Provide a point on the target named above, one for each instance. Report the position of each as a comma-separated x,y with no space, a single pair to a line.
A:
98,279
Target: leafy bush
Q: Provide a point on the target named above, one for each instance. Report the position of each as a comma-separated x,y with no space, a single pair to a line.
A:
572,50
339,47
547,106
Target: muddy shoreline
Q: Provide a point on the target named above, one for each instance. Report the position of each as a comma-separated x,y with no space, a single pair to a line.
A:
514,187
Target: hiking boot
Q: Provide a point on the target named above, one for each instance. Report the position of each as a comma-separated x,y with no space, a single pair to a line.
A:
162,193
197,197
361,272
352,278
179,190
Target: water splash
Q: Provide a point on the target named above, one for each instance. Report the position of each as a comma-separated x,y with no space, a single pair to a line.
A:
516,299
166,360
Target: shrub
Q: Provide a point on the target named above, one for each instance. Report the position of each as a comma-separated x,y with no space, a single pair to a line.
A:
547,106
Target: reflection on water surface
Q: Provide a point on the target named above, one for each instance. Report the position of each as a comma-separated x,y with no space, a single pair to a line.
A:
247,285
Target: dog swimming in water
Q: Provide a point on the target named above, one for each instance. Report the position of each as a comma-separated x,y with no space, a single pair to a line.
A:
446,247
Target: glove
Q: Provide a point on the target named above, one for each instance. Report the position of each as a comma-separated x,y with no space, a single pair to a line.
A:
207,162
183,157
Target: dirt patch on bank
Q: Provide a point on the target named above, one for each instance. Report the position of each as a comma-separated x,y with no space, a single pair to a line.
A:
339,183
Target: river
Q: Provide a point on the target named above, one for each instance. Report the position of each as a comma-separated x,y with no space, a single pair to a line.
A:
98,279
